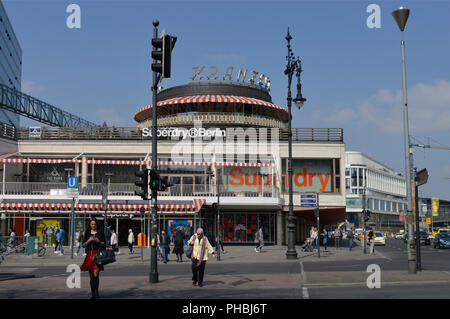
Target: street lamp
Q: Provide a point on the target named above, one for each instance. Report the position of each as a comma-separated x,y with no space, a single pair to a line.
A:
292,66
401,17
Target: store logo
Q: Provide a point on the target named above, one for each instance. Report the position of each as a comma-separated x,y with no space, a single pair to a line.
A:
54,175
239,178
260,80
175,132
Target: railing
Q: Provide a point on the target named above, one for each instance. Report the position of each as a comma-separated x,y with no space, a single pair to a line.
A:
334,135
127,189
220,118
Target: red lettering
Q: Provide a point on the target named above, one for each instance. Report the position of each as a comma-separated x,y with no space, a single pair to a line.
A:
239,178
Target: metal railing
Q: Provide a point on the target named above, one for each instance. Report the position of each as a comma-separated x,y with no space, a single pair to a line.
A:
333,135
127,189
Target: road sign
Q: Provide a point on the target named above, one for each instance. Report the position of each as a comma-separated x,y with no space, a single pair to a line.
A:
428,221
308,200
72,182
142,210
401,217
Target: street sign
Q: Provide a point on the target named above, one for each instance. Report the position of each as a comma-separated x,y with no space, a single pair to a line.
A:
72,186
401,217
72,182
142,210
435,206
428,221
308,200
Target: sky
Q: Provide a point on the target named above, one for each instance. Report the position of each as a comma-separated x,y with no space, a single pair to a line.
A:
351,73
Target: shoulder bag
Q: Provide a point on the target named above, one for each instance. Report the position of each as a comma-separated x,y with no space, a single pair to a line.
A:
105,256
190,248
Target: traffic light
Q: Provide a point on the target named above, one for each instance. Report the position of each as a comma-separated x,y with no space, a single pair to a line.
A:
162,52
154,180
367,214
143,184
164,183
214,206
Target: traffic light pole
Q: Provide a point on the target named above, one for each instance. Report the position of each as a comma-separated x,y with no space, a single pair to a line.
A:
218,213
154,222
364,221
418,252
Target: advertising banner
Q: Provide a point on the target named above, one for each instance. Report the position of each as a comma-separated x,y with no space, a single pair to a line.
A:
435,206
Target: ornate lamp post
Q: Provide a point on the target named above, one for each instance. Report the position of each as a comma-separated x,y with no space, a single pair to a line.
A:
292,66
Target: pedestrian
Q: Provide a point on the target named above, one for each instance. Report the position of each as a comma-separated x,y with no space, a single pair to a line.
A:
44,236
93,240
260,237
325,238
27,234
130,240
108,234
200,252
179,244
61,237
114,241
49,233
337,238
371,241
80,243
350,236
220,243
164,244
56,234
314,234
12,238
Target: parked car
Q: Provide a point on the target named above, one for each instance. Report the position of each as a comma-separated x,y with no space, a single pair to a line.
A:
423,236
399,236
380,239
442,240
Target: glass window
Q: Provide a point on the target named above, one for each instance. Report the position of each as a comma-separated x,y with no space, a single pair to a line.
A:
388,206
376,204
347,172
354,191
361,177
382,205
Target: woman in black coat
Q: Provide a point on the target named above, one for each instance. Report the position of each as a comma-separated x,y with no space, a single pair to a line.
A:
179,244
94,239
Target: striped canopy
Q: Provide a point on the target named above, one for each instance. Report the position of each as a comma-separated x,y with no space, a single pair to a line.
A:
211,99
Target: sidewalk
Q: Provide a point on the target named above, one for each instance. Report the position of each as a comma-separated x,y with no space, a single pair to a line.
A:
245,254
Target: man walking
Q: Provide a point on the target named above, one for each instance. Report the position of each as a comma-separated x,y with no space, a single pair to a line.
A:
260,237
337,238
114,241
61,238
325,238
164,243
200,252
130,240
350,236
371,241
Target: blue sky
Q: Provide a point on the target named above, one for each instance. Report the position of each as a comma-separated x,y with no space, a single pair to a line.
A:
351,78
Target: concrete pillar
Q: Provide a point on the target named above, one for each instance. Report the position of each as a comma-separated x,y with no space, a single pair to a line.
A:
280,228
3,226
84,172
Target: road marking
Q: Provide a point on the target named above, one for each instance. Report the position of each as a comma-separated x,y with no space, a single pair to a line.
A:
393,283
305,293
302,271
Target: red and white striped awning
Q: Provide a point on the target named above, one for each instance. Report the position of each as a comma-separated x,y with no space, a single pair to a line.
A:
180,208
126,162
212,99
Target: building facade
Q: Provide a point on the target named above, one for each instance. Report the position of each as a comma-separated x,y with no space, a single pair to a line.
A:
385,192
10,64
218,141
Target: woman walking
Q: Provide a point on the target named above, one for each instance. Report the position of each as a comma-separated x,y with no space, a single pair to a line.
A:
179,244
130,240
200,252
93,240
325,238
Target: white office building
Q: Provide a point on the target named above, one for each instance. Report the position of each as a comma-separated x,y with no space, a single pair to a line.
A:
385,192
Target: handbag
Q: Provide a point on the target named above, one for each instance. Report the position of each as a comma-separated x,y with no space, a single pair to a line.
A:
189,250
105,256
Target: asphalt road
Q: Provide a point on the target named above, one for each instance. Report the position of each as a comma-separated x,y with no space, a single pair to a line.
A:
393,257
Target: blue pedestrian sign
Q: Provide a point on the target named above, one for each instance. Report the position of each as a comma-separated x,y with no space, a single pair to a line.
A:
308,200
72,182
